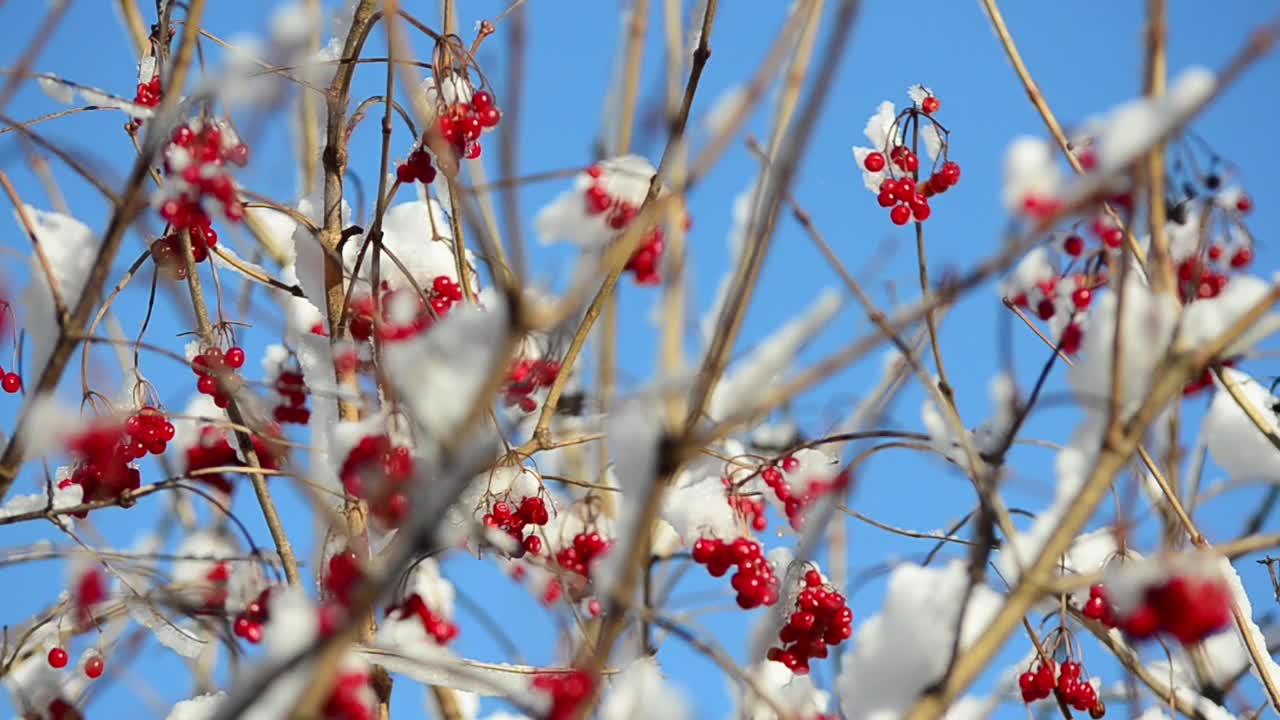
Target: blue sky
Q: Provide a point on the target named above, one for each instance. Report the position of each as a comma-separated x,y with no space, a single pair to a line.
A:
1086,56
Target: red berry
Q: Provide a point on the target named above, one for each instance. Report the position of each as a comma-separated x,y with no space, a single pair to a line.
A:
533,544
93,668
900,214
235,357
12,383
405,173
490,117
481,100
1081,297
951,172
920,210
58,658
1244,204
930,105
874,162
1240,258
1073,245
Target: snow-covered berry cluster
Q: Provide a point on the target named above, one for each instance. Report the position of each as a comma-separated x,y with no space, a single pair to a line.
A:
463,112
196,179
618,213
799,479
892,169
377,471
442,630
531,511
405,313
1187,607
749,508
564,692
103,455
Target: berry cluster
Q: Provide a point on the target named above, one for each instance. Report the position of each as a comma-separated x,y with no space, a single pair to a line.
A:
149,431
90,589
417,167
102,470
248,623
58,659
1079,693
291,388
794,503
213,449
147,95
525,378
893,169
405,314
376,471
1205,276
1067,295
195,165
215,596
350,697
905,197
618,214
583,552
754,580
1188,608
750,509
217,374
11,382
567,691
442,630
532,511
343,577
167,251
461,123
821,618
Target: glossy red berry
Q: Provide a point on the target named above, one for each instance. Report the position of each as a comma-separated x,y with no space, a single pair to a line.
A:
1073,245
1240,258
12,383
930,105
1081,297
58,658
235,357
900,214
94,666
874,162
